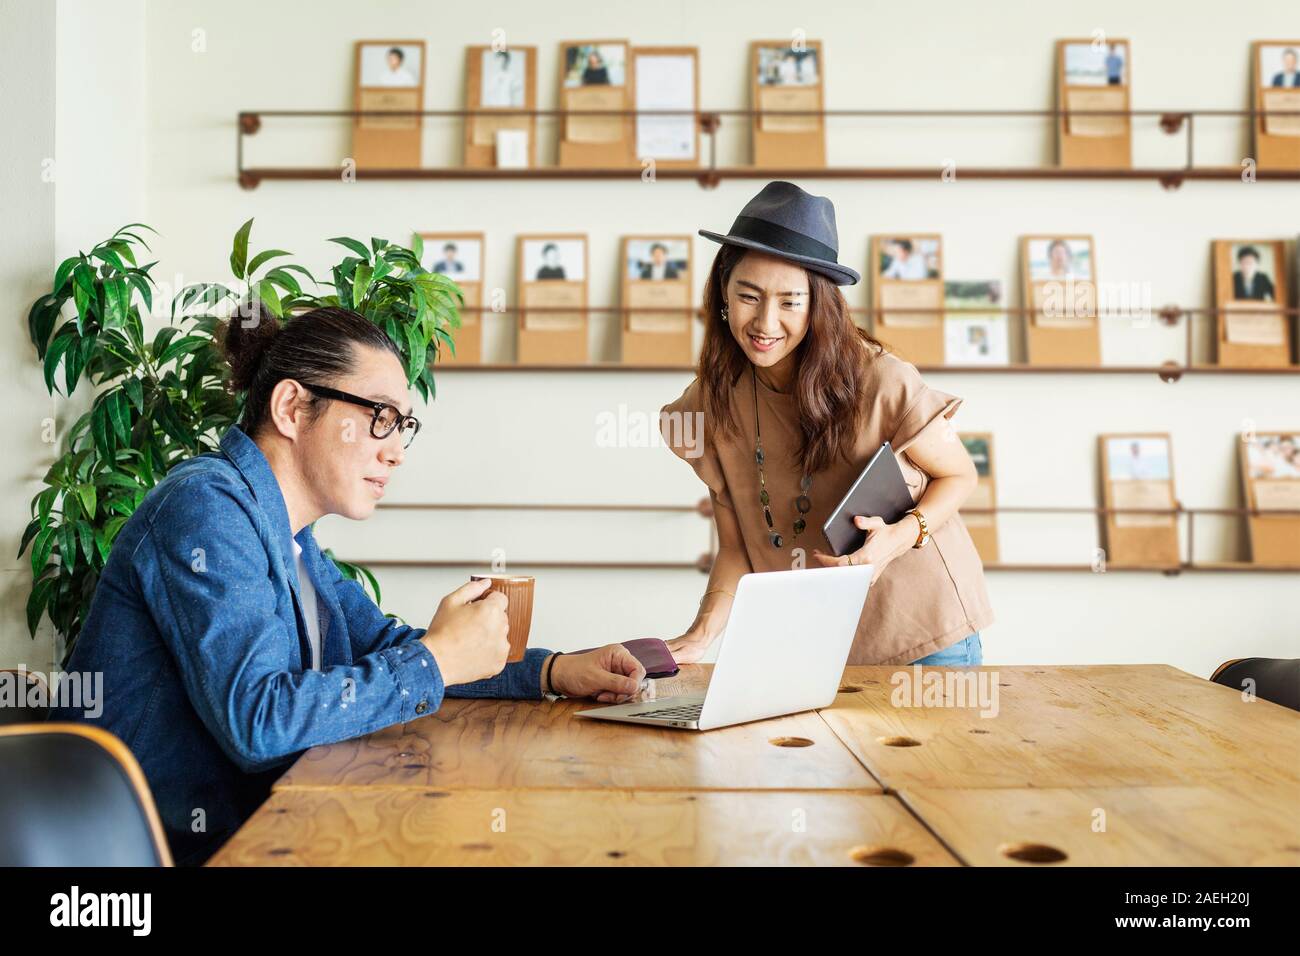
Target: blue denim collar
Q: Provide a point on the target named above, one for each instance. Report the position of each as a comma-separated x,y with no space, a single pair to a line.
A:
243,452
252,464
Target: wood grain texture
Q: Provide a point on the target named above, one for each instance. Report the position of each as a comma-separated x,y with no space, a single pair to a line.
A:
1105,725
1240,825
410,827
505,744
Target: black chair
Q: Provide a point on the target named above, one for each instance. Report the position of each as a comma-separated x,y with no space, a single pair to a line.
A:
24,713
1276,679
73,795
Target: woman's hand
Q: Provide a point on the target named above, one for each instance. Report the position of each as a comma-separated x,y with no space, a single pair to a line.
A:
689,648
884,543
609,674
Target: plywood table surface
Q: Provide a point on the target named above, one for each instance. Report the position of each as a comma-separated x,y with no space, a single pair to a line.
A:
413,827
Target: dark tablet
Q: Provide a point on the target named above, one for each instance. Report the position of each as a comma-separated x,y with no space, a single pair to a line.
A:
879,491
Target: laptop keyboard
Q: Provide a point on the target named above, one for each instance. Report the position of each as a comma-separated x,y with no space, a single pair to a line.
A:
679,712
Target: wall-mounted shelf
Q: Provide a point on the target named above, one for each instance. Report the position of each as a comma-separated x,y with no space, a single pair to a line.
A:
1169,371
704,562
709,174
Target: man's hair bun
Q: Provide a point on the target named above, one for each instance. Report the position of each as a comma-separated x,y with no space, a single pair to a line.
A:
248,337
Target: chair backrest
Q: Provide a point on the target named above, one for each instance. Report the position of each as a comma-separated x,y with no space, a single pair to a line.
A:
73,795
31,687
1272,678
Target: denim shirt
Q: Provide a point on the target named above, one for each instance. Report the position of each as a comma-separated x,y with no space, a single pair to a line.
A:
198,630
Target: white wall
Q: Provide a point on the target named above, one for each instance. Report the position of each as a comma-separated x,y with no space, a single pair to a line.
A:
27,185
530,437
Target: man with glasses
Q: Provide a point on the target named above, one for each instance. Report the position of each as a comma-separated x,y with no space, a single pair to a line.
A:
229,644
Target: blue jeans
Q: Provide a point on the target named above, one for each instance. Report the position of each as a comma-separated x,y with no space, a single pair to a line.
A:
965,653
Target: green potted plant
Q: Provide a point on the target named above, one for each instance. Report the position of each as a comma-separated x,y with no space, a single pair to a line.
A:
158,400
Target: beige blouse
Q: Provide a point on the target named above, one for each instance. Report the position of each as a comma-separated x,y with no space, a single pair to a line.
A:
926,599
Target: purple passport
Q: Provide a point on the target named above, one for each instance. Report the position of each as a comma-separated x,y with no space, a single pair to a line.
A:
653,654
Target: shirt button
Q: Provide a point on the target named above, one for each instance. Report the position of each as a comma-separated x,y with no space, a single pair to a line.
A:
421,707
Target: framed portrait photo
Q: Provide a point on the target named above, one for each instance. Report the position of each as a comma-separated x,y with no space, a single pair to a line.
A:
596,94
389,79
499,82
459,256
1093,80
552,277
1137,473
1275,68
1059,282
1270,476
1251,285
786,88
658,327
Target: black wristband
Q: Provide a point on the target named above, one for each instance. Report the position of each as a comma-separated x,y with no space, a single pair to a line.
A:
550,666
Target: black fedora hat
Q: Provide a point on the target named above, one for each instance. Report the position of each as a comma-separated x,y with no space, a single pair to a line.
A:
785,221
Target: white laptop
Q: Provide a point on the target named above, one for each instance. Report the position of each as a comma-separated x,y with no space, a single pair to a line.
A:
784,650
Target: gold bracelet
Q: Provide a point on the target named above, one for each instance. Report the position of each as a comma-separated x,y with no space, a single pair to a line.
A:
716,591
923,536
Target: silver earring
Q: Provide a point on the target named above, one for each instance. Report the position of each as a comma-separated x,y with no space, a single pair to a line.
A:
724,314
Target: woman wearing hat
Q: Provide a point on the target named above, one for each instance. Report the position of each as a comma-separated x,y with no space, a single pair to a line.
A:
795,400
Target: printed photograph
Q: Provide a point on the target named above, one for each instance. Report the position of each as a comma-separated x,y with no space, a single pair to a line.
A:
501,78
909,258
1061,258
595,64
1253,272
549,259
783,66
1137,459
457,258
657,259
1096,64
397,67
1271,457
1279,66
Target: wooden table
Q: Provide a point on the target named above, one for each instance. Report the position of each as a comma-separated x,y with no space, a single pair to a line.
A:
1141,765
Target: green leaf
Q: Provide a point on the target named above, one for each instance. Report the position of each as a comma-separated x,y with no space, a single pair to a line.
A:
54,354
119,412
284,279
40,320
37,602
239,251
83,289
86,493
33,527
354,245
105,254
141,285
86,535
263,257
182,346
42,548
135,392
64,272
44,503
266,292
360,285
417,246
117,300
99,431
68,545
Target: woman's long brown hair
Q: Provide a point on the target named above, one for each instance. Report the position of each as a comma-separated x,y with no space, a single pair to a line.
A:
832,357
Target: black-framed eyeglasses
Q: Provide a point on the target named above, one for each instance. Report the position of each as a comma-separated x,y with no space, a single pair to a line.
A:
384,417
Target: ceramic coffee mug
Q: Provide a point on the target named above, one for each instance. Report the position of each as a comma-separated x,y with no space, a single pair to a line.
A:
518,589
